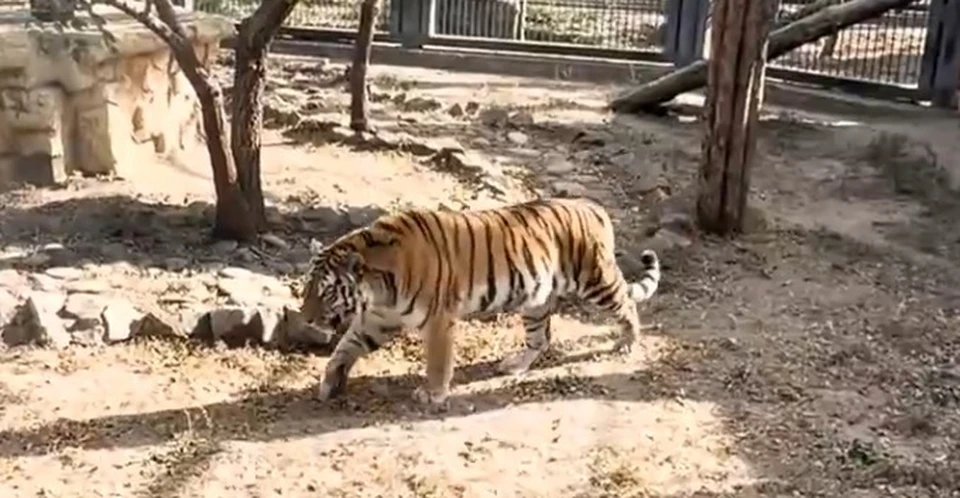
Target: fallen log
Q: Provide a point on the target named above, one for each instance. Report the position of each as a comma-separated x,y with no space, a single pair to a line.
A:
828,20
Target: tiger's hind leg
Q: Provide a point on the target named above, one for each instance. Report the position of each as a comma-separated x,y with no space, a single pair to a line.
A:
537,335
611,292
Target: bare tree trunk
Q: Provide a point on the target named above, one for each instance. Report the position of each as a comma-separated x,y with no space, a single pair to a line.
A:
361,61
253,36
829,20
233,219
232,216
734,92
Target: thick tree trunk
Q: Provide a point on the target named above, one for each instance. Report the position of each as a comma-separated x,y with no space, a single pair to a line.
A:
233,218
247,125
254,35
361,61
829,20
735,79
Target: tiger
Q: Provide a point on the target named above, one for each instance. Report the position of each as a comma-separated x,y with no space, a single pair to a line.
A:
428,269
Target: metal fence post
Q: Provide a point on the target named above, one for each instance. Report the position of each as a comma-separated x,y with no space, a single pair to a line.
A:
940,65
412,22
685,30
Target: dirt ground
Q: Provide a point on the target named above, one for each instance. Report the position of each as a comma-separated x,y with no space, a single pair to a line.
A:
815,356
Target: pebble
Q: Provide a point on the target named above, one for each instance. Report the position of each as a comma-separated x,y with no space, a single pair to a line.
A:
275,241
235,272
518,137
64,273
224,246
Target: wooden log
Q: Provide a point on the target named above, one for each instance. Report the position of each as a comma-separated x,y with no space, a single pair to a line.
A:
829,20
735,79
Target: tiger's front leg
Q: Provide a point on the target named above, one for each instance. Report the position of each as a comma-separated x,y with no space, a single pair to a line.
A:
438,337
359,340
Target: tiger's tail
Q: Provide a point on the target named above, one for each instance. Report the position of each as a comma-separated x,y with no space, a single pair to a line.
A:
647,285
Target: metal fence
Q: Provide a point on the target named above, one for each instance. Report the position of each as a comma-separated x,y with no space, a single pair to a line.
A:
885,50
611,24
320,14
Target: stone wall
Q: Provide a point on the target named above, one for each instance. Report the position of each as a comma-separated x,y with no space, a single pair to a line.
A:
72,102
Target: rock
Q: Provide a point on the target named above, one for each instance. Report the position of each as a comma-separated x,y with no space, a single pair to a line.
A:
58,255
465,162
675,214
455,111
64,273
275,241
236,326
666,240
120,321
37,321
114,251
569,188
421,104
151,325
387,140
235,272
360,217
286,328
494,117
471,107
175,264
445,145
85,308
518,138
281,267
8,307
243,292
313,106
481,143
521,119
679,222
557,164
224,246
648,175
42,282
279,116
11,279
590,138
316,130
496,184
200,212
35,259
97,286
419,147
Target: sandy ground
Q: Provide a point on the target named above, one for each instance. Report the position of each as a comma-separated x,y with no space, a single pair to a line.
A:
815,356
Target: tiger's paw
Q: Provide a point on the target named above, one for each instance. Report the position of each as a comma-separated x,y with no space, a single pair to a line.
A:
520,362
325,392
624,345
333,384
436,400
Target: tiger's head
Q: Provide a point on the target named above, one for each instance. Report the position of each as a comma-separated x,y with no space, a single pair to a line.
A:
331,296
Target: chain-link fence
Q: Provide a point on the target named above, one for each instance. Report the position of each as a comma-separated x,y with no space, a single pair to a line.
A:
612,24
886,49
327,14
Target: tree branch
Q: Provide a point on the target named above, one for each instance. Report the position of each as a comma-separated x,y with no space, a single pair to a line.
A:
168,15
263,25
152,23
